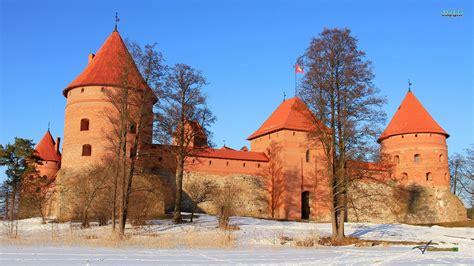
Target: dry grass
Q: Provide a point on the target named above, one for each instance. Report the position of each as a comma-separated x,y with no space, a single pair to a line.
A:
358,242
197,240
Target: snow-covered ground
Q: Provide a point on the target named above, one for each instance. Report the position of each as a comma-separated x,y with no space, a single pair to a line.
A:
257,241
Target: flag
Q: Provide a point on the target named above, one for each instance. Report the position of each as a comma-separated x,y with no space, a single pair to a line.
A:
298,69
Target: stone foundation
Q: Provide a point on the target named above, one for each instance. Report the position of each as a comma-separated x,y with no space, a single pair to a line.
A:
250,198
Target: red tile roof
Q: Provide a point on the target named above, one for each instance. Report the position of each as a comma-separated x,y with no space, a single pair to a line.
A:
411,117
292,114
46,148
228,153
107,67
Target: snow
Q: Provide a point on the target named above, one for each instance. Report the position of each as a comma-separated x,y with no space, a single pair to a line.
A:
258,241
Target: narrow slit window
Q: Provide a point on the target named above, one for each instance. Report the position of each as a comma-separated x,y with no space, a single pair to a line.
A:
417,158
133,128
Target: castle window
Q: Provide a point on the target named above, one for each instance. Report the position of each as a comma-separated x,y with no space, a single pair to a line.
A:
210,162
294,133
84,124
308,156
102,89
404,177
416,135
227,164
258,165
244,164
193,161
396,159
82,90
441,158
403,136
445,176
417,158
86,150
133,128
429,176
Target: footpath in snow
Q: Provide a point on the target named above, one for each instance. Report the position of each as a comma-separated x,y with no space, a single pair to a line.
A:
257,241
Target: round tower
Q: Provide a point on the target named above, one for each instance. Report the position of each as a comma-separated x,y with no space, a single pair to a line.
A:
91,115
416,145
48,150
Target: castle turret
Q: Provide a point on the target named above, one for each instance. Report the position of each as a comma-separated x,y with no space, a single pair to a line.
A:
417,145
48,150
90,114
302,160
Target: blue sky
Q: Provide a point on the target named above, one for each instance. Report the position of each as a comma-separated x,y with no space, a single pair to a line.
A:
245,49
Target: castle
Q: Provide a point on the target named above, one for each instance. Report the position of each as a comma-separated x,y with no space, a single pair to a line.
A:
413,141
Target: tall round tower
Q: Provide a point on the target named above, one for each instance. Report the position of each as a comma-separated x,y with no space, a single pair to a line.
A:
90,112
416,144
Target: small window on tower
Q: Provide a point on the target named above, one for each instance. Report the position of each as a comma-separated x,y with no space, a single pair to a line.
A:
404,177
244,164
417,158
441,158
82,90
429,176
84,124
396,159
308,156
227,164
132,153
86,150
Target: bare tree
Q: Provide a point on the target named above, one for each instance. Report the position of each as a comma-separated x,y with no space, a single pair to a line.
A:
37,192
132,122
461,166
86,190
273,174
183,119
225,204
199,191
338,89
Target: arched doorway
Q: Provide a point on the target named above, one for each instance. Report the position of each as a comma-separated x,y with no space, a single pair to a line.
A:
305,210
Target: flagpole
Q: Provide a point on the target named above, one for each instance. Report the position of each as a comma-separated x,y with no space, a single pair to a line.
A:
295,80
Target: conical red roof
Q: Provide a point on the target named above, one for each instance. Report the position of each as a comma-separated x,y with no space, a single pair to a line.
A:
411,117
292,114
108,65
46,148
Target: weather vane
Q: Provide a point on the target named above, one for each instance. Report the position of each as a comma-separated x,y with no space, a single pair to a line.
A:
284,95
48,125
117,19
409,85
